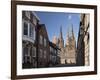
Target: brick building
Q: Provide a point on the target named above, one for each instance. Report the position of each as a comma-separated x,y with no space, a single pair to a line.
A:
43,46
29,24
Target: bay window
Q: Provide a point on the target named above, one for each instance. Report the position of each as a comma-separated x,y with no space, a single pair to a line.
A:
29,30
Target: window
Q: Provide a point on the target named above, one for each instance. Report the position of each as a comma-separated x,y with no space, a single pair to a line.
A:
31,31
25,51
54,59
40,53
34,63
50,49
41,39
44,54
50,57
34,33
45,42
27,59
33,52
25,29
26,54
55,51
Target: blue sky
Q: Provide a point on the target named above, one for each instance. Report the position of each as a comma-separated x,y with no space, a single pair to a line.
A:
54,20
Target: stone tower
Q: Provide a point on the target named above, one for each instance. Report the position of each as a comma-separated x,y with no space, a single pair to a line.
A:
61,47
60,39
67,52
70,48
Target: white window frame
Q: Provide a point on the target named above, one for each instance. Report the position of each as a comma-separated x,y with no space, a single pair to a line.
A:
31,33
34,32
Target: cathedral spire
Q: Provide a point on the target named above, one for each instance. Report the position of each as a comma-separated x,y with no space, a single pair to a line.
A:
70,35
61,41
73,37
72,32
61,33
67,39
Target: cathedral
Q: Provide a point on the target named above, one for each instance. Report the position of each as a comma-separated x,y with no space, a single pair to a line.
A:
67,51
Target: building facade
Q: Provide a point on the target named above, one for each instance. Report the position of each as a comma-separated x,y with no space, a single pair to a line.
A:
83,41
29,24
43,47
54,57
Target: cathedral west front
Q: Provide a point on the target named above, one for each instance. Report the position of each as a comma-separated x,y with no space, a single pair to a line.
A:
67,51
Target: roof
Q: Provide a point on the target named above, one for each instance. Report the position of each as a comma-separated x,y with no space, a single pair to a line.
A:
35,15
43,27
53,45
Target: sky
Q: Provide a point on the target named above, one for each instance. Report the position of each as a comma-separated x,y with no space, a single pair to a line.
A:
54,20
